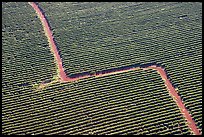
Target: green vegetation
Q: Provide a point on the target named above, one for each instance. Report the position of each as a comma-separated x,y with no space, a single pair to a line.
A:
99,36
26,57
95,37
135,102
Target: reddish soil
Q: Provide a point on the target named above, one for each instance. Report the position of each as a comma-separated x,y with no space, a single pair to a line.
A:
177,99
53,47
160,70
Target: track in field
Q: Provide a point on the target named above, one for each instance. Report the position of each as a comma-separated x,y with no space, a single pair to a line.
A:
63,78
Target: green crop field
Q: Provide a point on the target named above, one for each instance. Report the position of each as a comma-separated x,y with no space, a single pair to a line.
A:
26,57
94,106
99,36
93,37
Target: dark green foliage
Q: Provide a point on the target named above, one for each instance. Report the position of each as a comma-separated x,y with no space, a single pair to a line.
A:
95,37
99,36
135,102
26,56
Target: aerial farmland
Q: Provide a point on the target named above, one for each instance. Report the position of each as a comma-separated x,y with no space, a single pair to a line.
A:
101,68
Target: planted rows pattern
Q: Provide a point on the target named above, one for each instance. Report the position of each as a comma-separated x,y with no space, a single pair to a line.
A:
26,57
135,102
99,36
36,120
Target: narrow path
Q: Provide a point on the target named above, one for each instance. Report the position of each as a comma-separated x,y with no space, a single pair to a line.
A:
52,45
160,70
176,98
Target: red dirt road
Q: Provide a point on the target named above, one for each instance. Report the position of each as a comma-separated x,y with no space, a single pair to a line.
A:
53,47
177,99
161,71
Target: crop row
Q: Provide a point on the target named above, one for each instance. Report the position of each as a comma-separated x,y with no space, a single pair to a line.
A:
26,57
71,41
74,107
167,33
98,108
